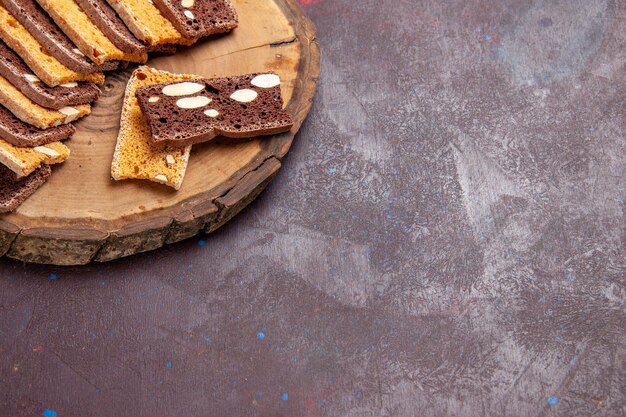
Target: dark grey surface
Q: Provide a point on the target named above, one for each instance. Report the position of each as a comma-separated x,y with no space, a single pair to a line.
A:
446,238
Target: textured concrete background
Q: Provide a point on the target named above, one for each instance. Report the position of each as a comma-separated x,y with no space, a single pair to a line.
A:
446,238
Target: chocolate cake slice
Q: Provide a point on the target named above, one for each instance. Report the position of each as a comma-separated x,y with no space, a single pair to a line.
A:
71,94
14,192
105,18
198,18
22,135
39,24
182,114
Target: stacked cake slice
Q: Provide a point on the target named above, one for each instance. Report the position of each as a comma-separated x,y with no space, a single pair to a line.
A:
53,55
164,114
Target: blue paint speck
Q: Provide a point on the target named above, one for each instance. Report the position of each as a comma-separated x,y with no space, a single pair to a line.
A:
531,277
553,400
264,329
332,170
189,266
284,397
207,340
49,413
168,364
570,276
202,243
53,277
259,394
260,335
488,37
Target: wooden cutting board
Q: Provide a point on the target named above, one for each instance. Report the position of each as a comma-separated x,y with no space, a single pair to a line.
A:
82,215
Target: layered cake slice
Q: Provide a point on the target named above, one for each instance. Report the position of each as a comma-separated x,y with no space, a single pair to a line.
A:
22,135
42,28
44,65
24,161
17,73
147,23
198,18
183,114
27,111
134,157
103,16
13,192
88,38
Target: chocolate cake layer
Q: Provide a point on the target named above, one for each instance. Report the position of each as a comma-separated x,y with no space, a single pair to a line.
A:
72,94
198,18
14,192
23,135
105,18
182,114
41,26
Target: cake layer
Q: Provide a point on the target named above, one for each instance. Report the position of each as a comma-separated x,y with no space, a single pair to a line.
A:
147,23
198,18
22,135
183,114
17,73
41,26
134,157
90,40
27,111
13,192
103,16
23,161
45,66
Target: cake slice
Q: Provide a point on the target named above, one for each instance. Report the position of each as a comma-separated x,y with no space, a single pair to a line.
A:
147,23
22,135
187,113
198,18
33,114
90,40
23,161
104,17
17,73
44,65
42,28
134,157
13,192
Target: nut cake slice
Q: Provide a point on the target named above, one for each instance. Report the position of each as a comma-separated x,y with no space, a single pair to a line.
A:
71,94
198,18
23,161
135,157
31,113
44,65
182,114
147,23
42,28
22,135
88,38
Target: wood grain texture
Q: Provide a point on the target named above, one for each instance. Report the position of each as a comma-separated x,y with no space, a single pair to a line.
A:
129,217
